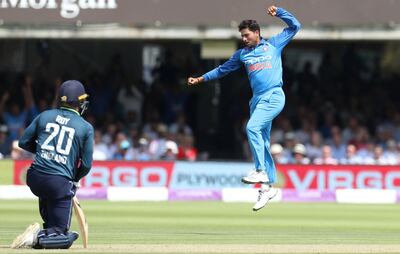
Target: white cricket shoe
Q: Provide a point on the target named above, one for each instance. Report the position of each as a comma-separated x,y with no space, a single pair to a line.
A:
264,196
28,238
256,177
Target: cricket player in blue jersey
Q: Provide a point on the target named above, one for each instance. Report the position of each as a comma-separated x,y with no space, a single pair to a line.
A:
63,144
262,60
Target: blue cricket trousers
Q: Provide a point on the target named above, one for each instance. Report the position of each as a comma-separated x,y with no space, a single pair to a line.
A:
263,109
55,200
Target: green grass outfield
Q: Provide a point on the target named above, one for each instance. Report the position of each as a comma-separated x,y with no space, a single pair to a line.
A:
216,227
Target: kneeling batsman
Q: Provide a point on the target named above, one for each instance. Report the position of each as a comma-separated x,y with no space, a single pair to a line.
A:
63,144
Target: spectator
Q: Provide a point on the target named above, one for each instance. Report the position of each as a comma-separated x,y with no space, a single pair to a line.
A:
278,155
351,157
326,158
110,134
366,151
100,149
180,126
327,127
142,151
5,142
186,150
300,155
131,100
280,129
150,128
124,151
351,130
377,158
116,147
314,149
16,119
290,141
362,138
338,147
303,134
162,147
171,150
131,120
391,154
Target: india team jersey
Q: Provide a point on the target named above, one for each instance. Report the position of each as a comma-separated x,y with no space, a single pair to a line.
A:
263,62
61,139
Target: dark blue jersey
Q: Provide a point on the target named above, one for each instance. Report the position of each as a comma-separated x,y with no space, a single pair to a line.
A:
62,142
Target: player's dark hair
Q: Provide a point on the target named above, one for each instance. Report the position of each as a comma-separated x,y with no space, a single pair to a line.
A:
251,24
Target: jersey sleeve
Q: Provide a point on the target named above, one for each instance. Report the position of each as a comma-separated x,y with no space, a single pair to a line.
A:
86,155
28,139
282,39
231,65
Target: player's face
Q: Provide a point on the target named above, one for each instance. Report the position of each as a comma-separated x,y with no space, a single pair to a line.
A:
250,38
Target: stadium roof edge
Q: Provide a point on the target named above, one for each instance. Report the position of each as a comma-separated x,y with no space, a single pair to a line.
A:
194,12
115,31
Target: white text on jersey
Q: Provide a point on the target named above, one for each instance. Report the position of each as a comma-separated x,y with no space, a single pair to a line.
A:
62,120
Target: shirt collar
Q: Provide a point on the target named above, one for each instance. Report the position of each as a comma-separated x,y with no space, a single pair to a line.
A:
262,41
70,109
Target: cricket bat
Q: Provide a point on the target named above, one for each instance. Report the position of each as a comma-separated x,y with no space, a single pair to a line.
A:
83,225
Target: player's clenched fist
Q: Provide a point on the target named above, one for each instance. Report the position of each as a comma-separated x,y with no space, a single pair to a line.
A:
194,81
272,10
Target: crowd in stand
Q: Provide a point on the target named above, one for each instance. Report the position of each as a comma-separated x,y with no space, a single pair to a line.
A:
116,112
332,116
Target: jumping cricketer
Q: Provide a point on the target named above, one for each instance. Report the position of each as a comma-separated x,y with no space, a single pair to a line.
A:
262,60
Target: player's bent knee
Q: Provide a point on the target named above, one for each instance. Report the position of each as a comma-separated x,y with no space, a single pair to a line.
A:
253,128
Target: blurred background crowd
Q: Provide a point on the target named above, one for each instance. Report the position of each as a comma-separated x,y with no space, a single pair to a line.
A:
340,110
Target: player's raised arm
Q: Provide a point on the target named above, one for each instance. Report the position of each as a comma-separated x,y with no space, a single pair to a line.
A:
282,39
231,65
